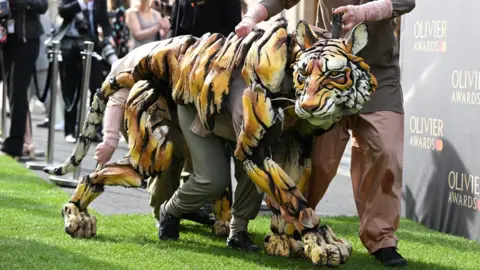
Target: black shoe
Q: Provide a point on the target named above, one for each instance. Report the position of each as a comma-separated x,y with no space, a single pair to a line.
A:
169,225
242,241
207,207
390,257
43,124
199,217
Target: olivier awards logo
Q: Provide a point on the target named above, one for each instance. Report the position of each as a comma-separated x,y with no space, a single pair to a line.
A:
464,190
426,133
430,36
467,87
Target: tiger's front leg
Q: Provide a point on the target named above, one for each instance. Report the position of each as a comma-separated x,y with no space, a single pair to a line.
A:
320,245
283,239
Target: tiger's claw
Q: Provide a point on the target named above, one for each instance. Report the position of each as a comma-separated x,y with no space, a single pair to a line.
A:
78,224
283,245
322,247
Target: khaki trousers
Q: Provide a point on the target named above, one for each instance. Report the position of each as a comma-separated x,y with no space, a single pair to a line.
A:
376,172
211,174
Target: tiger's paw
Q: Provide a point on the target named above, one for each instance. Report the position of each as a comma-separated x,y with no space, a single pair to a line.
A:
322,247
283,245
78,224
221,228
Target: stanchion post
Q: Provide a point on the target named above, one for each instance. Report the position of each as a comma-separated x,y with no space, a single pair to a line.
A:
53,100
87,64
87,67
55,56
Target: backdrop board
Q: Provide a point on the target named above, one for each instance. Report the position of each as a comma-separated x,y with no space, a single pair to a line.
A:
440,51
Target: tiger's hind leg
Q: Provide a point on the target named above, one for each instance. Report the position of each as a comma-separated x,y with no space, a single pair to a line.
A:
151,140
222,209
78,222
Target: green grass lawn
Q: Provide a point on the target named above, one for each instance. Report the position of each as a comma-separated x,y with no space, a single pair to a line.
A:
32,237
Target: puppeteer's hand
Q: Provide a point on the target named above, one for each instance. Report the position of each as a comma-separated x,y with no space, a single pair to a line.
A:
369,12
103,153
245,27
352,15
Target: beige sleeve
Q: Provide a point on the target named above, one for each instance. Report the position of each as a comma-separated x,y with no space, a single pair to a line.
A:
113,120
276,6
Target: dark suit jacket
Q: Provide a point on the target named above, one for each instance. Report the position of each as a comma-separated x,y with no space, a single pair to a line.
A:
69,8
26,14
214,16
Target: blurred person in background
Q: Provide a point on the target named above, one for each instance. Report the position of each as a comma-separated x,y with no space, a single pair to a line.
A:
120,32
23,30
190,17
145,24
81,19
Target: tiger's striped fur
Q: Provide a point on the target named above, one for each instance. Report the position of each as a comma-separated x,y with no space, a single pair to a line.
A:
328,76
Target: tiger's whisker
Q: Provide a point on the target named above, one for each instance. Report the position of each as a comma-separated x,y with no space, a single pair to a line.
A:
288,107
282,98
283,110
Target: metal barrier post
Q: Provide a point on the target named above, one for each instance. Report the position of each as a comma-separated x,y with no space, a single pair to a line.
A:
87,64
55,55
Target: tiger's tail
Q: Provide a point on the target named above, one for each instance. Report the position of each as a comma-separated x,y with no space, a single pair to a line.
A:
93,120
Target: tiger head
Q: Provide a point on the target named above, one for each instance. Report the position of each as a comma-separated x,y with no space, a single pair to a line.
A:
328,76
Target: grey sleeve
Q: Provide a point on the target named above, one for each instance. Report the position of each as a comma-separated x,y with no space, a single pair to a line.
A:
401,7
276,6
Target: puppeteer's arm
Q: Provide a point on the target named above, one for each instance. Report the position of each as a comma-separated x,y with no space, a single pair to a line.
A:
274,7
381,9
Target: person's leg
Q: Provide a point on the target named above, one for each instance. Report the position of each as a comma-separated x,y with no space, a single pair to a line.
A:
28,146
70,69
246,205
211,175
94,84
326,156
24,62
377,161
163,187
246,199
8,55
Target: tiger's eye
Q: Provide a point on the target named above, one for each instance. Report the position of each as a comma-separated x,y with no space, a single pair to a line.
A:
301,78
302,73
334,73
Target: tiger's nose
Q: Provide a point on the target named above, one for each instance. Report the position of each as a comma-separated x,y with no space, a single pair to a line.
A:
308,106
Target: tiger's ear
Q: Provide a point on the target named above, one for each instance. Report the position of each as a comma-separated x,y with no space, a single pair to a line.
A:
357,39
304,35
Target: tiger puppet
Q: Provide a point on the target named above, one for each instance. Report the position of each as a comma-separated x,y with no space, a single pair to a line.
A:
292,87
